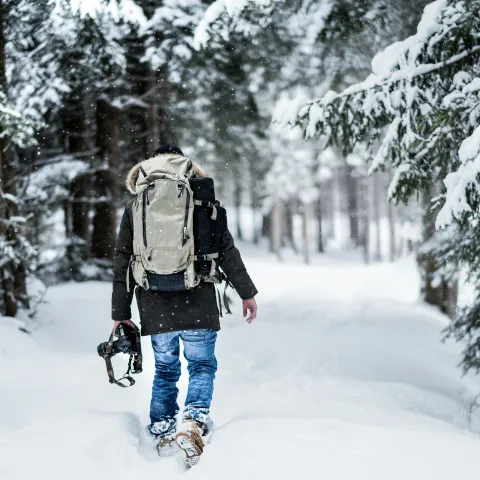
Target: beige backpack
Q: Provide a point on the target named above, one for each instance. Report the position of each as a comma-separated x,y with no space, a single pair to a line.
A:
163,245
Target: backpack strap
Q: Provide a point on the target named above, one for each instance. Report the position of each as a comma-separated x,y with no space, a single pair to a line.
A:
223,299
204,258
226,301
219,301
213,268
133,258
127,279
208,257
206,204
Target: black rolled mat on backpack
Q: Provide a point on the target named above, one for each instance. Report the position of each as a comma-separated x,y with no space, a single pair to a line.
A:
204,228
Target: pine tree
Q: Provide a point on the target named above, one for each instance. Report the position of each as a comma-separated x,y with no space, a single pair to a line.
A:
421,102
65,63
16,253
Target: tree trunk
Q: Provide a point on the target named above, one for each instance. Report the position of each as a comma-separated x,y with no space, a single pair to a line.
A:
80,215
319,214
12,275
330,208
289,234
450,295
364,200
152,119
80,192
67,217
306,218
255,234
254,201
104,221
376,217
266,225
238,204
147,123
392,219
352,204
77,214
9,301
276,230
391,223
435,289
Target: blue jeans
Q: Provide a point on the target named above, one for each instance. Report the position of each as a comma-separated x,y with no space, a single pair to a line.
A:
199,350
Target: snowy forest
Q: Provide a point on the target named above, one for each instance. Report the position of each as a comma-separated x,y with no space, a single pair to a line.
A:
340,131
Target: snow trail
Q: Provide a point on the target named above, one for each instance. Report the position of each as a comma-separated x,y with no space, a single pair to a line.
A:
342,376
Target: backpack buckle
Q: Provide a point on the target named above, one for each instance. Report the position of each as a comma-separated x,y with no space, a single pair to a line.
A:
181,189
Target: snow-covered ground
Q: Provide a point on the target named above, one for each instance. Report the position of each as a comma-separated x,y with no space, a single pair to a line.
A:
343,376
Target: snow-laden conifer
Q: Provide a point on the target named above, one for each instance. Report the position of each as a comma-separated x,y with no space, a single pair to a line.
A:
420,109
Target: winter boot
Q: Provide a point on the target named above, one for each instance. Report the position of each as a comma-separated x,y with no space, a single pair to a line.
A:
162,434
189,438
167,446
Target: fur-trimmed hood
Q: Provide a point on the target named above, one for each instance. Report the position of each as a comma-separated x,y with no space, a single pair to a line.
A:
132,176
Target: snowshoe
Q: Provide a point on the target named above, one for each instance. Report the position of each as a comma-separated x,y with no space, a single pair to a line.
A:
192,439
162,435
167,446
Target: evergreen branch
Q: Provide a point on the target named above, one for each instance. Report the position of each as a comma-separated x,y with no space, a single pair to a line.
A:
405,75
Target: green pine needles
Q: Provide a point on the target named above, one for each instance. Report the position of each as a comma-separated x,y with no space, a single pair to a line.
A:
419,111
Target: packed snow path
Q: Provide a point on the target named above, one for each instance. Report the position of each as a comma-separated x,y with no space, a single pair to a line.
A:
342,376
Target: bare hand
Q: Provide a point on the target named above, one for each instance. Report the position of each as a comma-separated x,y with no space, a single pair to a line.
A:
116,324
250,309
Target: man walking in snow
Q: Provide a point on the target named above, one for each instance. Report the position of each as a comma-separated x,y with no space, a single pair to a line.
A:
175,304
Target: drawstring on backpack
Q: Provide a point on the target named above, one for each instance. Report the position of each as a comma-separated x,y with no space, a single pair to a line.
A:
224,297
226,301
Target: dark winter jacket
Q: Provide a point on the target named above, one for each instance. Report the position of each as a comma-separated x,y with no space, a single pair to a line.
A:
166,312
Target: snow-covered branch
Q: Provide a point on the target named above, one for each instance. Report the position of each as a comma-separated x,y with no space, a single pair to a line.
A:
225,15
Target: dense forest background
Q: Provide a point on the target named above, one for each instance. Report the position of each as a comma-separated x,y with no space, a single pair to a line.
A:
89,88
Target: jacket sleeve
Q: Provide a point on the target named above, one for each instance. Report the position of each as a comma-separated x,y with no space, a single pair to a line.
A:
121,298
231,263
